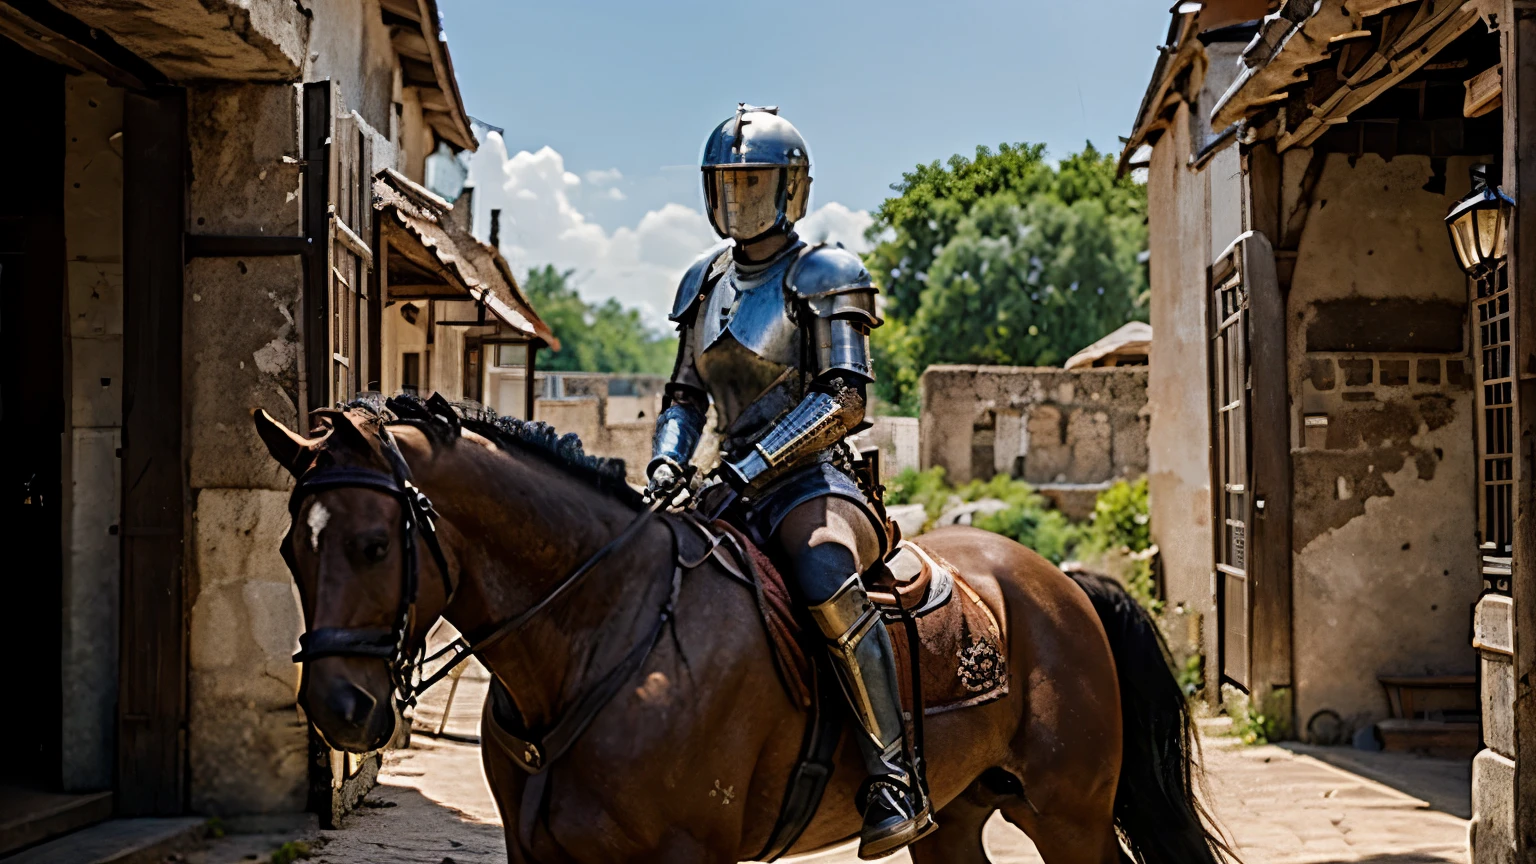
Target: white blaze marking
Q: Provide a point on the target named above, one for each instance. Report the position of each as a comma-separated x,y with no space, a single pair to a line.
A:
317,520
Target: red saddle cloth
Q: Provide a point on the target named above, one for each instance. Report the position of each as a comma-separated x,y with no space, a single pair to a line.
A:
964,650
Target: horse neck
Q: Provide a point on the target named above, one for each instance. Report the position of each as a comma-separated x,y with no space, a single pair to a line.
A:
522,527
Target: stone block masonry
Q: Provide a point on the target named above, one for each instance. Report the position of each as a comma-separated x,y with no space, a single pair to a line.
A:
1049,427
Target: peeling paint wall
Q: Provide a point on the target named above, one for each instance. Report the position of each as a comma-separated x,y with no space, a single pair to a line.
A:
1178,438
93,198
247,744
1385,533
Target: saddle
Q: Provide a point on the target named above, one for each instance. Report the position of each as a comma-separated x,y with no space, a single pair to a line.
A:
960,657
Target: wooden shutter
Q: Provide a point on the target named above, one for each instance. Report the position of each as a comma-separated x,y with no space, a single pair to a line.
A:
1231,496
1251,467
338,214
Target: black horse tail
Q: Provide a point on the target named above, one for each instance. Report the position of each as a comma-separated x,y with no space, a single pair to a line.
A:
1157,810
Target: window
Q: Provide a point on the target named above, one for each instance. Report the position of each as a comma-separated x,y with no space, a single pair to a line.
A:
410,372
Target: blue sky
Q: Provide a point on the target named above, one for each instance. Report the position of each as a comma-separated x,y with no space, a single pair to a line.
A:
634,87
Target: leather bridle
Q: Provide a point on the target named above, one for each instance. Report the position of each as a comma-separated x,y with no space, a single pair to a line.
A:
418,516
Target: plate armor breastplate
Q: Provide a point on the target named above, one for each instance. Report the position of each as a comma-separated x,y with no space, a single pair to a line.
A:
749,349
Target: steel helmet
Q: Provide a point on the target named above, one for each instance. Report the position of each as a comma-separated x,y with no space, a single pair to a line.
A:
757,174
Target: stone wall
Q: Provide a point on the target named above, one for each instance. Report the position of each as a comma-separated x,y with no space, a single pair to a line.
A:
93,195
1385,518
247,743
1067,432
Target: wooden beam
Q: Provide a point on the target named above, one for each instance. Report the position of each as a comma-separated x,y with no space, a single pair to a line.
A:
244,246
50,33
152,710
1518,22
318,184
1485,93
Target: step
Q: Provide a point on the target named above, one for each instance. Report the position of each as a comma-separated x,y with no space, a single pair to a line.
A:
32,817
118,841
1432,737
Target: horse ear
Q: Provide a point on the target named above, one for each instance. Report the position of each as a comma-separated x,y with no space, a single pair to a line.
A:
343,430
285,445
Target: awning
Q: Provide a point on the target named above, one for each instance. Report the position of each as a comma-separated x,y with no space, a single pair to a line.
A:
432,255
1303,33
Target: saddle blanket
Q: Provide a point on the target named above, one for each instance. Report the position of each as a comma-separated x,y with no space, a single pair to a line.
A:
963,660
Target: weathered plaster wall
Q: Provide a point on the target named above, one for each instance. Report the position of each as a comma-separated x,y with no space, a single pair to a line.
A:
93,208
1178,437
247,744
1043,425
1385,540
350,45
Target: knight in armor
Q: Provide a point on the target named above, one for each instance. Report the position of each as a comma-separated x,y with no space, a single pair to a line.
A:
776,332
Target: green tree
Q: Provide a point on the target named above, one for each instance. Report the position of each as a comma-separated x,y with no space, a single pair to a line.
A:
594,337
1004,259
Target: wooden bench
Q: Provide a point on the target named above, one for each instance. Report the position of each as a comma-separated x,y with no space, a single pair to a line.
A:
1408,731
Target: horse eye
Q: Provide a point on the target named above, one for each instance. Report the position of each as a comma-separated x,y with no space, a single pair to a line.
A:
376,551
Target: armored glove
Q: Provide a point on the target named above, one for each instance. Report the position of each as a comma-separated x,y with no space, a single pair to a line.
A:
665,480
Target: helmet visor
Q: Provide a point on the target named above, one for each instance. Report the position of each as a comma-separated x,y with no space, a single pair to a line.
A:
744,203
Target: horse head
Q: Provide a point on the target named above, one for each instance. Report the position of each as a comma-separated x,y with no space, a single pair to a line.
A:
369,585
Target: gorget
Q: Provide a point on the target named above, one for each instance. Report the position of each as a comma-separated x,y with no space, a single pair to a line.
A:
748,348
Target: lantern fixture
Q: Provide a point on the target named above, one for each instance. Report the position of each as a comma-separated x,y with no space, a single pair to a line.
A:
1479,224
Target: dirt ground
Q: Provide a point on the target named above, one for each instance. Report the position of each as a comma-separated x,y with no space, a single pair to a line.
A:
1281,805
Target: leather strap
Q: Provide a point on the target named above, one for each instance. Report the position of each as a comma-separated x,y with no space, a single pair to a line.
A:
378,642
808,781
534,753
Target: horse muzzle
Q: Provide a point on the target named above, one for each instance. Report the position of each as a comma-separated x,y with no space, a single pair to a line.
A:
350,716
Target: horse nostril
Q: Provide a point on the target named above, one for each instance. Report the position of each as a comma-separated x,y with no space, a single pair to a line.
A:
352,704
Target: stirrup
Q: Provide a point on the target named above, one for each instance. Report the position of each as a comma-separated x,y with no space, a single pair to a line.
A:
906,823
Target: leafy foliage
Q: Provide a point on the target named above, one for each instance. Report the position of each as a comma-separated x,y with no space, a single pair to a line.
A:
1028,518
1004,259
1119,529
594,337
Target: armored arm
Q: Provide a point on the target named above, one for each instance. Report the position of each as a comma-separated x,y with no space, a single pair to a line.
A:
836,292
681,421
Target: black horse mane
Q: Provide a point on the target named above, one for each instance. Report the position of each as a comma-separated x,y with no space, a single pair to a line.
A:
441,421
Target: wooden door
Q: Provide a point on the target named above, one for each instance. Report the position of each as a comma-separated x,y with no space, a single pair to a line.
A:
152,708
338,214
1231,462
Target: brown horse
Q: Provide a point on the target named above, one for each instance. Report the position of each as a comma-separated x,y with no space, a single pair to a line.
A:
689,760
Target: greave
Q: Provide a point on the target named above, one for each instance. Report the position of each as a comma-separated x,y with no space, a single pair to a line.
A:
866,665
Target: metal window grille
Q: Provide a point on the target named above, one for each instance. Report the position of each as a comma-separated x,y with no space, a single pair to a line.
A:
1496,446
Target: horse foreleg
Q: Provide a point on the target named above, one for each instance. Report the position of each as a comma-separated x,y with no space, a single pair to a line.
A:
958,837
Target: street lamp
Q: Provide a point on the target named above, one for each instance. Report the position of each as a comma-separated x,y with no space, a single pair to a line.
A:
1479,224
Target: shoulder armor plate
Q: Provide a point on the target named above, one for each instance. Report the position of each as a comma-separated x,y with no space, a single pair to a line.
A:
835,284
691,290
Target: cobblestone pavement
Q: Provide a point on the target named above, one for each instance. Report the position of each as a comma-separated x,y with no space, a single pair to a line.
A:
1280,805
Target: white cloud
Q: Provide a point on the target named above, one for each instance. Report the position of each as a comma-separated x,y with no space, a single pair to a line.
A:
640,266
834,223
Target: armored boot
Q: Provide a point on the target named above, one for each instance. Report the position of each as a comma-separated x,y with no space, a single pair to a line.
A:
895,807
